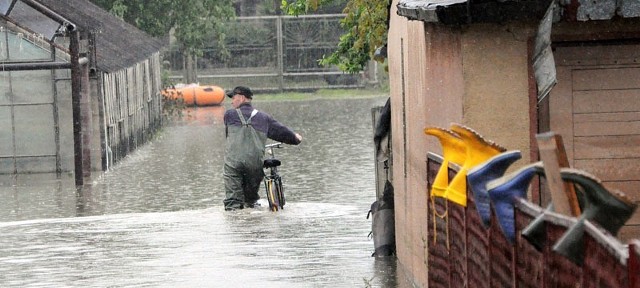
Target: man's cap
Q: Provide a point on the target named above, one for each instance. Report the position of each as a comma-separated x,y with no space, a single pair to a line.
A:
240,90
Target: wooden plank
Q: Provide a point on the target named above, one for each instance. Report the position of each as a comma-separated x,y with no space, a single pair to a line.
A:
553,155
611,169
630,188
635,220
606,78
597,55
607,117
607,127
629,232
606,101
606,147
561,110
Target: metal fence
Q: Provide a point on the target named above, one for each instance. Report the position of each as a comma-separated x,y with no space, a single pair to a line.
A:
273,53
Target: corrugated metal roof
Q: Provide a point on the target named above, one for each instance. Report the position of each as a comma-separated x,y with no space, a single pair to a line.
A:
424,10
606,9
496,11
118,44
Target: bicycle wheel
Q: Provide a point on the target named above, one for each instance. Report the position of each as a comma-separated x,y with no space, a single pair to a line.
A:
272,194
280,190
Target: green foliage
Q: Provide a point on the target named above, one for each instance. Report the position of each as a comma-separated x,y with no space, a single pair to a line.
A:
172,104
193,21
366,26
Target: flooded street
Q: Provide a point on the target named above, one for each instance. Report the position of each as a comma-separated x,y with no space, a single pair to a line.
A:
156,219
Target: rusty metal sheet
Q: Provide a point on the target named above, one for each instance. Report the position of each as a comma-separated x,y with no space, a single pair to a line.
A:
629,8
543,62
423,10
596,10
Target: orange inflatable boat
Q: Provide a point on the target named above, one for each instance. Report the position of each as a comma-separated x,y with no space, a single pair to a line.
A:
195,95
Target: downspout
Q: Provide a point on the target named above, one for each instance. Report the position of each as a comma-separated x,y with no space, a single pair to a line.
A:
80,106
40,65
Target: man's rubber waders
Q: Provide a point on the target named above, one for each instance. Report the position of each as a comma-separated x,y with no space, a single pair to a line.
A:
243,163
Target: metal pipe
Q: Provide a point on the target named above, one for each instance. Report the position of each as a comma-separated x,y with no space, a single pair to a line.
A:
280,52
40,65
69,26
76,95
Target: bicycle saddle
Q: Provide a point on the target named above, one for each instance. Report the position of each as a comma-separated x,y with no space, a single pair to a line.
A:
270,163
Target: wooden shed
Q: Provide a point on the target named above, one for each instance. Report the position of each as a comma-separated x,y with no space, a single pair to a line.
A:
79,88
510,70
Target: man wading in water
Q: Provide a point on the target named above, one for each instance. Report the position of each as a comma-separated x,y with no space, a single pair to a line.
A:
247,130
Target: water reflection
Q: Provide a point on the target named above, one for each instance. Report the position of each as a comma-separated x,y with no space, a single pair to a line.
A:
157,220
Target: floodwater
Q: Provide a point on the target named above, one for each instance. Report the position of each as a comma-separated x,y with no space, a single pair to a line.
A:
156,219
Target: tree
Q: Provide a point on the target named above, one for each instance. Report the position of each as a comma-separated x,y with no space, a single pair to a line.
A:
366,22
192,22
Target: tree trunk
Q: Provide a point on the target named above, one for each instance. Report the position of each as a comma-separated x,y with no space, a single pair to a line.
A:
190,75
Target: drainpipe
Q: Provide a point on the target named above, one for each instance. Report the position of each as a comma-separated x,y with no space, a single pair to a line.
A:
81,111
40,65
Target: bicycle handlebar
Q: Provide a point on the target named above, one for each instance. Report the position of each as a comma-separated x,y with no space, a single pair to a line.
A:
273,145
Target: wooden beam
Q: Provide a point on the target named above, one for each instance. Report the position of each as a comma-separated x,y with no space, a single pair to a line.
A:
554,157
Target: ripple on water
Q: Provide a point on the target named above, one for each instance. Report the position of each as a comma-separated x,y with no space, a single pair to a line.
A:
156,220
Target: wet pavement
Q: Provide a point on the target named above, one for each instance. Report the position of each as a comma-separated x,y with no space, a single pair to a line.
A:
156,219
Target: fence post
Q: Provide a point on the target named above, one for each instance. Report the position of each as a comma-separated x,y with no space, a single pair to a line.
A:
280,53
554,157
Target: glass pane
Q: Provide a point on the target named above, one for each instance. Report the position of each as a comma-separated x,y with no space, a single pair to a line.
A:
4,6
5,88
30,87
4,52
6,133
22,47
6,166
35,135
65,124
34,20
36,164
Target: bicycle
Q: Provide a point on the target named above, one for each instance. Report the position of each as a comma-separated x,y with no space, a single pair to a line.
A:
272,180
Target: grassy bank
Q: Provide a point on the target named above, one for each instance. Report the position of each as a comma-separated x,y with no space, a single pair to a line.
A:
322,94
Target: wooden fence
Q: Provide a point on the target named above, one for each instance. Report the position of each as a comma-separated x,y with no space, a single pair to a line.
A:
273,53
133,107
463,253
